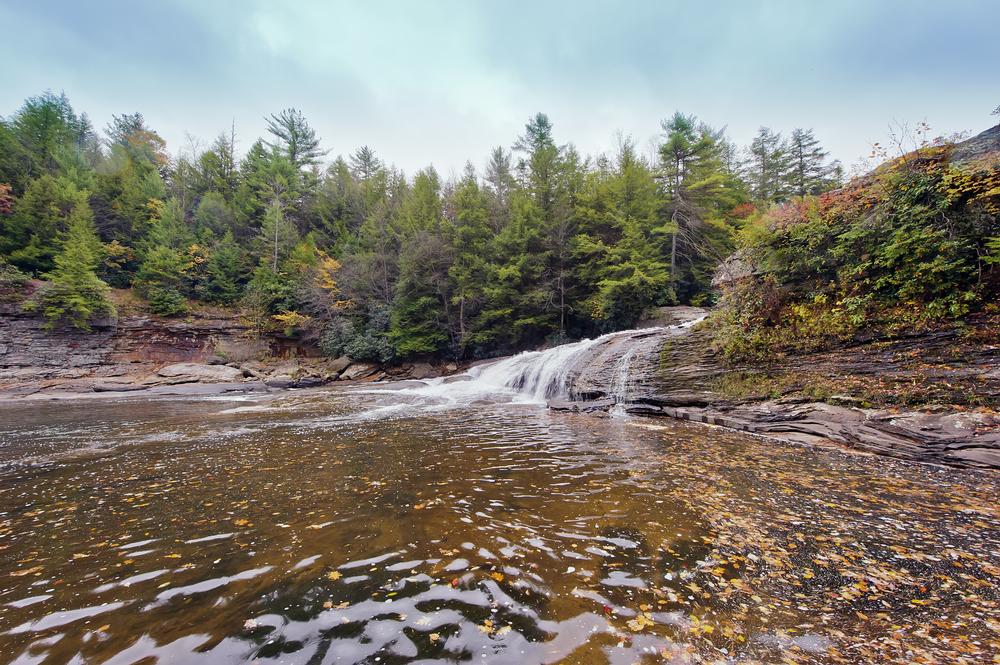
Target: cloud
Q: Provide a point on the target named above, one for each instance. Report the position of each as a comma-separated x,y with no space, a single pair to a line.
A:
443,82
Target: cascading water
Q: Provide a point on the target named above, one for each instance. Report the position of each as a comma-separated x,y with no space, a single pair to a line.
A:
620,381
536,377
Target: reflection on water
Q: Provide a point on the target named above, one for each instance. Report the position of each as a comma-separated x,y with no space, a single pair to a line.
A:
365,527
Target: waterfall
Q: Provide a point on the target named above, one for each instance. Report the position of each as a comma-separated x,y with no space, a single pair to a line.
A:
620,380
537,377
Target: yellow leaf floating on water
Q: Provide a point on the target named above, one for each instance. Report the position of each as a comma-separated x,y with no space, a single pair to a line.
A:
640,623
334,575
497,576
173,556
435,637
241,522
27,571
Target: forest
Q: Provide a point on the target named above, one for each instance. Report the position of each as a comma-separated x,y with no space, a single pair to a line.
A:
538,245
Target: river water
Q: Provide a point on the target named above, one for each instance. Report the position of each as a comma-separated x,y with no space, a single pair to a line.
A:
375,525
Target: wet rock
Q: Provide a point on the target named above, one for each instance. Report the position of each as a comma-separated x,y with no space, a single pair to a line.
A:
451,368
280,381
311,382
196,372
114,387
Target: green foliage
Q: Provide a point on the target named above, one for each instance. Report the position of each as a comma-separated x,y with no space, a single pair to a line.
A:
225,272
12,282
75,295
362,338
32,234
907,248
160,279
544,246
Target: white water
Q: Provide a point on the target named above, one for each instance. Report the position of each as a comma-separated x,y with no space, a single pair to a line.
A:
531,377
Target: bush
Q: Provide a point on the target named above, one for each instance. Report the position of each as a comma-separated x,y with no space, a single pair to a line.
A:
12,282
906,248
361,339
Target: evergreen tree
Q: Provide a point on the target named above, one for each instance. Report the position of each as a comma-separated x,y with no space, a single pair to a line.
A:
276,238
469,235
699,188
768,167
32,233
364,163
294,138
75,295
809,172
225,271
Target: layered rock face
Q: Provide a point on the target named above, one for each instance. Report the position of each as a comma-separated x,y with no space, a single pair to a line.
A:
674,373
167,355
133,345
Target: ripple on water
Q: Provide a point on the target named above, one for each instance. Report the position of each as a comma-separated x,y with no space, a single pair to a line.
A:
499,534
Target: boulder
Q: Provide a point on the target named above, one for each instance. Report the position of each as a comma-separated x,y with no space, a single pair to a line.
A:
358,371
197,372
339,365
422,371
280,381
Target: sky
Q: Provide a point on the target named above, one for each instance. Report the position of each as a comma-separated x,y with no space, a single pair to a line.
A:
442,82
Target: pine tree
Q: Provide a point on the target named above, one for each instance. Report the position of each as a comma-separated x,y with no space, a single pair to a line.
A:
469,235
768,167
75,294
224,272
699,188
809,172
294,138
276,238
31,235
364,163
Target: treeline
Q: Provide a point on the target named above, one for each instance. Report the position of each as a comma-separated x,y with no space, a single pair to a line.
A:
543,244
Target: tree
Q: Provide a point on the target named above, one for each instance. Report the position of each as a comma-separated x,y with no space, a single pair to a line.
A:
469,235
698,190
276,238
809,172
224,272
160,278
32,234
620,262
294,138
214,216
75,295
768,167
500,184
364,163
49,130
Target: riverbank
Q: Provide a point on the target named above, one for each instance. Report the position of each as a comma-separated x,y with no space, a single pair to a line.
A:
209,351
929,397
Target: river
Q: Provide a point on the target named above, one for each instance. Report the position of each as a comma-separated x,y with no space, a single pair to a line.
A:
381,524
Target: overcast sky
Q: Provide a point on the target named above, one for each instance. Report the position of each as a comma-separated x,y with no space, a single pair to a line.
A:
440,82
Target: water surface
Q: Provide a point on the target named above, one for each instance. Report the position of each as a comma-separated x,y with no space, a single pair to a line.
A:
356,526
